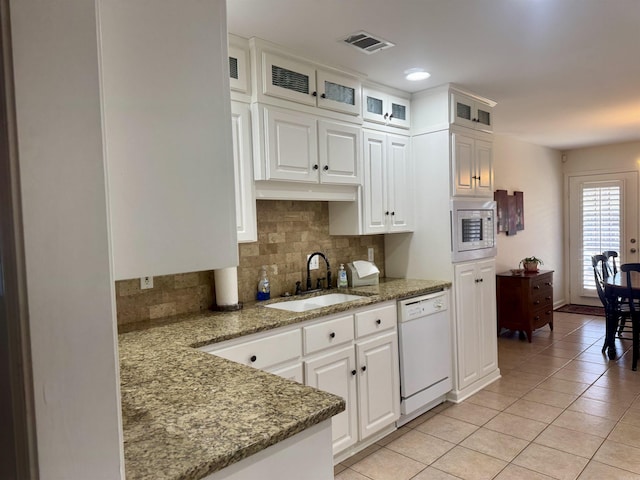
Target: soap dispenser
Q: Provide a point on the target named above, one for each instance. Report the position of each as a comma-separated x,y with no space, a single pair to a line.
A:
342,277
264,290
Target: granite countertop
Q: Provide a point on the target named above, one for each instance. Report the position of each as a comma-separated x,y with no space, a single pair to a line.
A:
187,413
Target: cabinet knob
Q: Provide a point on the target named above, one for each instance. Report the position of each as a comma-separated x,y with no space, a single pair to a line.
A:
386,213
253,358
378,322
393,213
537,317
547,298
548,312
324,95
332,335
537,302
353,372
536,287
390,116
315,94
325,168
364,368
386,116
548,284
481,280
315,167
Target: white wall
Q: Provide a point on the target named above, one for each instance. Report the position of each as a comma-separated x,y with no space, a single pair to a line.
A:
536,171
620,156
69,281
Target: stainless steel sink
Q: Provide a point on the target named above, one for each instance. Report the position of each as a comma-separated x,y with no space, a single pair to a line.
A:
314,302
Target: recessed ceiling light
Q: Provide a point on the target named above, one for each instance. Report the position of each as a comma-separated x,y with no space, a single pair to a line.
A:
416,74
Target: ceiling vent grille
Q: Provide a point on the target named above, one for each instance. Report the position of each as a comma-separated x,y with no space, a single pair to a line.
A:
367,43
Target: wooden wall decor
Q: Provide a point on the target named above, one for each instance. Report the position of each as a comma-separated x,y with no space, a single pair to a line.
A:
510,209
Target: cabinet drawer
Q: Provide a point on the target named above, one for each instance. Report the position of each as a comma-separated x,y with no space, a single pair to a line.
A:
542,301
265,352
327,334
541,284
375,320
541,316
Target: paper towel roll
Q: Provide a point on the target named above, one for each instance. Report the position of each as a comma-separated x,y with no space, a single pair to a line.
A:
226,281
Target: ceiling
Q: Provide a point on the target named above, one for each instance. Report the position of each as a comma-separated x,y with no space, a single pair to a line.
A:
564,73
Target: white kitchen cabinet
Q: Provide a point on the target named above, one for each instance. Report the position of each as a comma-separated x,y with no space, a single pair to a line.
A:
475,327
335,372
167,138
381,107
246,220
471,165
378,383
298,147
290,78
353,355
385,204
471,113
274,351
387,183
239,71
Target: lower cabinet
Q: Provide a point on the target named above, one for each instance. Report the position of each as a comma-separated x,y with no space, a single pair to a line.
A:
354,356
335,373
475,327
378,383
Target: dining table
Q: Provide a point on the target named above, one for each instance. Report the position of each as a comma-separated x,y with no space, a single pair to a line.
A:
615,289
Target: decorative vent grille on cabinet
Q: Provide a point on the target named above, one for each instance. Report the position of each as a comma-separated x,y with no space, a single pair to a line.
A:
281,77
233,67
367,43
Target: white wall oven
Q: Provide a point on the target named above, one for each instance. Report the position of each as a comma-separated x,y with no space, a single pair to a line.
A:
473,229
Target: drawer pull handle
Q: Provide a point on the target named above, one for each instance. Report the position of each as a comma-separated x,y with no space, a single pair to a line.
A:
378,322
332,335
353,372
253,358
364,368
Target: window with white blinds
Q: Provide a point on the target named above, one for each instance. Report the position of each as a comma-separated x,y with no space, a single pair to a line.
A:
601,224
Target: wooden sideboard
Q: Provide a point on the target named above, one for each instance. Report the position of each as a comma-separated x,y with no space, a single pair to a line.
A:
525,302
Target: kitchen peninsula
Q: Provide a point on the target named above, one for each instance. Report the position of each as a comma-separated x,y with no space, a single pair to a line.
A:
187,414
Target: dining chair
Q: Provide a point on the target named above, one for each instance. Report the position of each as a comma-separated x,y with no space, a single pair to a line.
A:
612,307
611,261
609,269
634,308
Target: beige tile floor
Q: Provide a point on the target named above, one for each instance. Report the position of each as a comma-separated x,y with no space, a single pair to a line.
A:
561,410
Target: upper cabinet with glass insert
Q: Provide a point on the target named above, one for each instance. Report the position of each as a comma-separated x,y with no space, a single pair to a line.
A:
471,113
381,107
279,76
239,70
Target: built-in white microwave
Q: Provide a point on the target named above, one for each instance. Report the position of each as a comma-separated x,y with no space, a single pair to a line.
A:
473,229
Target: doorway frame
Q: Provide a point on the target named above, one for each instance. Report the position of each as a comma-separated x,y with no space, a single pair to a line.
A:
567,218
18,455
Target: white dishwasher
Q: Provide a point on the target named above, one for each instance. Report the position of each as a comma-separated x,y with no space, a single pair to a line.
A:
424,329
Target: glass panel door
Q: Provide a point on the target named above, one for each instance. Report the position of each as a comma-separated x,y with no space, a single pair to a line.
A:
603,211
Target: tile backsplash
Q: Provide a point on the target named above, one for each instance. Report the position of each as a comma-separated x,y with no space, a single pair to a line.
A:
287,232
